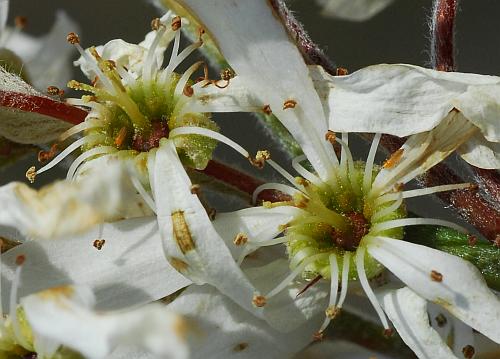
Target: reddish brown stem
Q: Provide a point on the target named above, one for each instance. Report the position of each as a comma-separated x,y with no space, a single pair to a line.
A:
42,105
242,181
489,180
443,35
467,203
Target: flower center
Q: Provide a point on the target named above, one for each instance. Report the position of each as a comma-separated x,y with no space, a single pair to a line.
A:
350,240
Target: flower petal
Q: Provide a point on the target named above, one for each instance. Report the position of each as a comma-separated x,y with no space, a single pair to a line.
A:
63,315
63,207
255,42
225,331
190,241
444,279
481,153
408,313
403,99
130,268
354,10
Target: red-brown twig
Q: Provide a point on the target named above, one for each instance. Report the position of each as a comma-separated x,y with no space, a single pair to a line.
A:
443,35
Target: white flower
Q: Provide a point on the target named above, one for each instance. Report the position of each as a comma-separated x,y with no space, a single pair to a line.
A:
354,10
353,212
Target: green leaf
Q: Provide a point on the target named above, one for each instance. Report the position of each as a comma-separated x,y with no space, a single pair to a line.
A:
484,255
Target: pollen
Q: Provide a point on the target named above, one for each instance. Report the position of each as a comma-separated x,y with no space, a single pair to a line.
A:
54,91
240,239
155,24
267,110
176,23
227,74
330,136
331,312
260,158
394,159
99,243
31,174
259,300
73,38
341,71
436,276
289,104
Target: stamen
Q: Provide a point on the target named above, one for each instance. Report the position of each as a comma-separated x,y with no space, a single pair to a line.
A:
240,239
346,263
360,267
332,310
267,110
436,189
289,104
394,159
303,172
380,214
87,125
283,172
182,56
330,136
13,303
181,85
143,193
379,227
274,186
84,156
300,268
149,65
260,159
20,22
346,158
368,175
176,23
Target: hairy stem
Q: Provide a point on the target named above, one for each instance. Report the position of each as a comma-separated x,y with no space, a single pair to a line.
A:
443,35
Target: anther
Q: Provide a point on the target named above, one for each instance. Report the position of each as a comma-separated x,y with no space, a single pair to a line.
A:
267,110
195,189
155,24
472,240
240,239
398,187
120,138
441,320
73,84
188,91
468,351
99,243
318,336
227,74
73,38
260,158
55,91
436,276
44,156
20,259
212,213
289,104
394,159
201,32
20,21
259,300
301,201
31,174
94,81
388,332
110,64
302,181
341,71
331,312
176,23
330,136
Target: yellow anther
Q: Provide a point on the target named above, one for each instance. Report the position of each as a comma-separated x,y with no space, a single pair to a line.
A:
260,158
155,24
289,104
240,239
267,110
31,174
259,300
99,243
332,311
73,38
330,136
394,159
176,23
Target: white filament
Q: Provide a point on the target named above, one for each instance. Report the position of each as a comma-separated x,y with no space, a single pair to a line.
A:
346,262
143,193
13,308
303,172
395,223
367,177
274,186
84,156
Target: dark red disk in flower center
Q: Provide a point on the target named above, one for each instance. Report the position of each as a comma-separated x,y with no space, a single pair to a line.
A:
145,143
349,240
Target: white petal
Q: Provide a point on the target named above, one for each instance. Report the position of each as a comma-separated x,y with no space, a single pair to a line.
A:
403,99
4,13
408,313
355,10
62,316
226,331
258,224
462,291
285,311
130,268
63,207
51,64
481,153
256,44
338,349
196,246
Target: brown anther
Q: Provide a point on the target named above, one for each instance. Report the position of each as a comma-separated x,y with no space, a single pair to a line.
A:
259,300
330,136
176,23
195,189
111,64
332,311
473,187
201,32
44,156
341,71
155,24
20,21
188,90
31,174
53,90
436,276
227,74
20,259
94,81
289,104
398,187
472,240
441,320
73,38
240,347
212,213
394,159
388,332
240,239
267,110
98,243
318,336
468,351
302,181
120,138
301,202
260,158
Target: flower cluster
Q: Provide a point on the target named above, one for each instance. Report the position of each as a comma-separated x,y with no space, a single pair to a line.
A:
127,257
